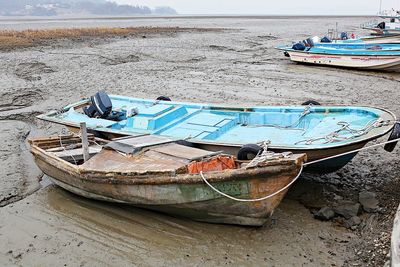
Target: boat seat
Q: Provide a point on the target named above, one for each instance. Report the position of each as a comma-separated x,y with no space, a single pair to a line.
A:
203,126
73,155
156,117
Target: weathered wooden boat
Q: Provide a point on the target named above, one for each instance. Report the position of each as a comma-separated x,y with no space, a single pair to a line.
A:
362,59
161,174
318,131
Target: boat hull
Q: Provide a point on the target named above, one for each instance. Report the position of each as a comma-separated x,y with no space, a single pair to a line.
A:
379,31
394,39
364,62
194,200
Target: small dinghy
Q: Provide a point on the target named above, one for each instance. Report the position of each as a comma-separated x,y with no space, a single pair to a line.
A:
318,131
341,55
161,174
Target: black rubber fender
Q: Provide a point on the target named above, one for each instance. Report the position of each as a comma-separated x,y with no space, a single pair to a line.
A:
393,136
249,152
311,102
163,98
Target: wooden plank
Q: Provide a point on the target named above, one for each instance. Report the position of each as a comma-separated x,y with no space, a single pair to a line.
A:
184,152
77,153
85,142
111,161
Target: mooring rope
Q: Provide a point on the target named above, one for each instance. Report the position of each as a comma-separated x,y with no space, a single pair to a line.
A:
257,199
345,126
298,175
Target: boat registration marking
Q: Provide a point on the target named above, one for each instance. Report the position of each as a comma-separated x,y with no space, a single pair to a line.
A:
316,57
368,59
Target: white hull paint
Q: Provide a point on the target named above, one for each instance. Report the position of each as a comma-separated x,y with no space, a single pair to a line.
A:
378,31
388,63
382,40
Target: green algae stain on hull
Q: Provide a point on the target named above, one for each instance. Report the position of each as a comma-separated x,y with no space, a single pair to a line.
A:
202,192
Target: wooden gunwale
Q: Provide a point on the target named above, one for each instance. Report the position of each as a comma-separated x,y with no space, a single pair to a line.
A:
160,178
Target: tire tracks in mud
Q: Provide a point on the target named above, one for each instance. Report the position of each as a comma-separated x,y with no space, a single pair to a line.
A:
19,176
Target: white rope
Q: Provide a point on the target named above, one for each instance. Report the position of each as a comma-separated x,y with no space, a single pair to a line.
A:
298,175
345,126
257,199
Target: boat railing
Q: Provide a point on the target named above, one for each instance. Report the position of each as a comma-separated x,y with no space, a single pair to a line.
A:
392,13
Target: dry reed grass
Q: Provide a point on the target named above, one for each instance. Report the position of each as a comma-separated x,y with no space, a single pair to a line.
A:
11,39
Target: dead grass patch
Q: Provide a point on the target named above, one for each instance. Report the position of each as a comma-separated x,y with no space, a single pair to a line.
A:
12,39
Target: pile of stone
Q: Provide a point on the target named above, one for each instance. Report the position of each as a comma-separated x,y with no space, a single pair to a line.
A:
348,211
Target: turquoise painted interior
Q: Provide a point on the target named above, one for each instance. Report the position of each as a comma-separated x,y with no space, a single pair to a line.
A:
226,125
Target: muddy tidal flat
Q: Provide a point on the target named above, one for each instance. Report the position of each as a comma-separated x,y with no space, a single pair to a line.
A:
232,61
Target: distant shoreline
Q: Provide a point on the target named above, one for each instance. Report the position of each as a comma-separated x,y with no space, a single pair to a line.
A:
66,18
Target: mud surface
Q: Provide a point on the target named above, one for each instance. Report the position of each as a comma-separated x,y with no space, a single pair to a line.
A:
239,66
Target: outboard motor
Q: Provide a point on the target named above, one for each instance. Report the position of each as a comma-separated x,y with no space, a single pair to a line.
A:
310,42
326,40
344,36
100,106
299,47
382,25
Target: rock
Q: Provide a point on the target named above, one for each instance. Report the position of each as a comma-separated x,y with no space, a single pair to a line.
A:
368,201
348,209
352,222
309,194
325,214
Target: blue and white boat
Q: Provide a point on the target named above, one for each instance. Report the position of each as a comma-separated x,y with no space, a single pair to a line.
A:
382,39
318,131
354,46
346,55
390,25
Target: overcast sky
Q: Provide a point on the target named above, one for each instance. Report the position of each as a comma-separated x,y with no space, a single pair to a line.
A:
276,7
